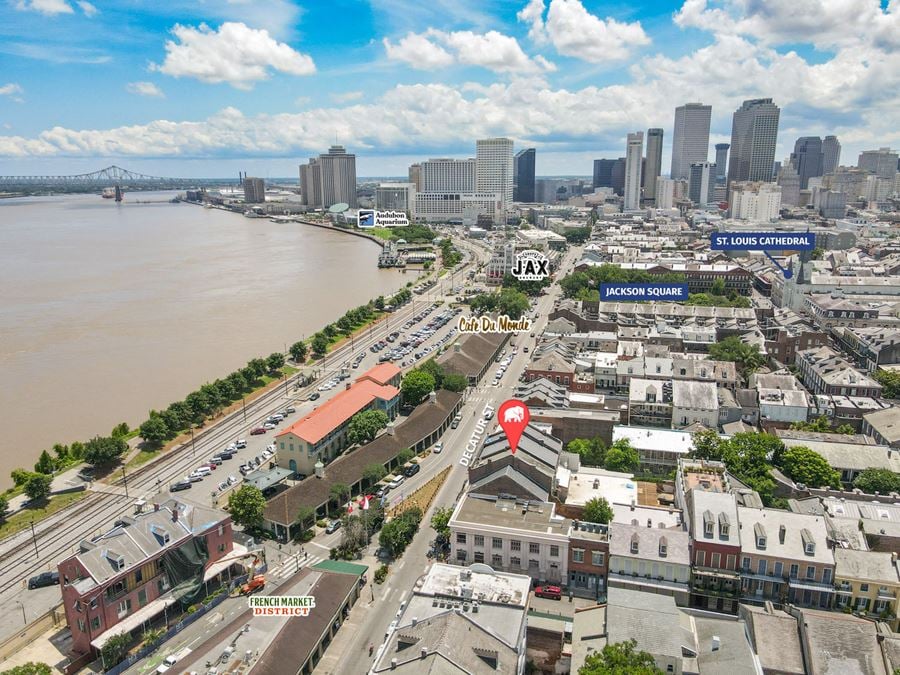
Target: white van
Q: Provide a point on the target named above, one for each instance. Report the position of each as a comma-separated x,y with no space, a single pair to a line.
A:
203,471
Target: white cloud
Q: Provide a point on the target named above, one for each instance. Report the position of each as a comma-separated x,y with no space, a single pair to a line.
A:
823,23
88,9
10,89
533,14
347,96
144,89
437,49
235,53
47,7
575,32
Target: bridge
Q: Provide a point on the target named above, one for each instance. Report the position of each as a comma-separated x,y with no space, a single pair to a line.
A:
111,176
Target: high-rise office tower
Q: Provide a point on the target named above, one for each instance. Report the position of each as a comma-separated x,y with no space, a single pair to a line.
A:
494,168
415,176
701,183
808,158
721,161
603,170
789,180
618,176
634,151
881,162
330,179
690,139
831,149
754,132
254,190
523,175
653,164
448,175
665,193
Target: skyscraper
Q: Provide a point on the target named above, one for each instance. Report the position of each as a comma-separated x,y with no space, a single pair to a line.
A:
702,182
653,165
881,162
447,175
254,190
415,176
634,151
617,177
721,161
754,132
690,140
831,150
665,193
329,179
523,175
603,170
789,180
494,168
808,158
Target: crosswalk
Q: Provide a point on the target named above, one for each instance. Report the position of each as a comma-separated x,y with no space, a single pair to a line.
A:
291,564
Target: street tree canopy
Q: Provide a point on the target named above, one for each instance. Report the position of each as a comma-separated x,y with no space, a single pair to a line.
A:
365,425
597,510
416,385
882,481
806,466
246,506
620,658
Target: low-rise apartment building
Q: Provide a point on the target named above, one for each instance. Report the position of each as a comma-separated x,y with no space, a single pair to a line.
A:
824,371
588,559
716,550
650,559
867,582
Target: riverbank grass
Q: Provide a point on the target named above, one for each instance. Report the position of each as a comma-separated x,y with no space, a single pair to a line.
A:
286,371
22,519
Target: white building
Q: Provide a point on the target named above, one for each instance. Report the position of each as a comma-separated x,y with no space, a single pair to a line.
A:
701,183
690,140
396,197
447,175
515,537
881,162
694,402
634,153
438,207
754,201
494,168
665,193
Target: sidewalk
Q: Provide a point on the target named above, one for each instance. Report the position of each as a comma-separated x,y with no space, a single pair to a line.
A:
67,479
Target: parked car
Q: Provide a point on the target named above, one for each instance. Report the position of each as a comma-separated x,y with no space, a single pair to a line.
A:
241,444
290,409
43,579
333,526
268,426
397,482
412,470
86,474
549,592
313,396
214,461
180,485
245,469
257,431
438,447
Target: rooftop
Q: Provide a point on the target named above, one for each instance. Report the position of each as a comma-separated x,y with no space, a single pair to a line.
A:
587,483
537,518
765,526
886,422
668,546
694,395
647,438
874,566
840,643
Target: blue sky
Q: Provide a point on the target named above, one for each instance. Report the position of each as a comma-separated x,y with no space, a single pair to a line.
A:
210,87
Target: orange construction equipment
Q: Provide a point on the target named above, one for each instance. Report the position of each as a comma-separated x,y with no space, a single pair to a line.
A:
256,583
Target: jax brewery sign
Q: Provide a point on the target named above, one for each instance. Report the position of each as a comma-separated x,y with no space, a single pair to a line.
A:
531,265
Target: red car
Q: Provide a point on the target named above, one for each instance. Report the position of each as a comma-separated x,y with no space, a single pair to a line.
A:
257,431
211,465
550,592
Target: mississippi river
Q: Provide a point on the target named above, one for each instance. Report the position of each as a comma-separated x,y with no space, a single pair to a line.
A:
108,310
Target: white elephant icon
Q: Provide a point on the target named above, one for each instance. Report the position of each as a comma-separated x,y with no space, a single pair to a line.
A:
515,414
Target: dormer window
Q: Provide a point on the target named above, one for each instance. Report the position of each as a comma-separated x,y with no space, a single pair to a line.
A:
809,544
708,523
634,543
760,532
723,525
663,547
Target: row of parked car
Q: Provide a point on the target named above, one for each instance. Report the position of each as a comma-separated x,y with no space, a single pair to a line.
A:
272,421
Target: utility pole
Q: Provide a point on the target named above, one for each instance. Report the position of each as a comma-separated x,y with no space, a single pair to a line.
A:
244,407
34,539
125,480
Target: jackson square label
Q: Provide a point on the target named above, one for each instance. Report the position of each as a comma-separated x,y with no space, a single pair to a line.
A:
282,605
486,324
634,292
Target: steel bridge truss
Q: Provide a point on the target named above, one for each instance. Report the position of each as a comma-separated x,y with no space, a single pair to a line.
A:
110,176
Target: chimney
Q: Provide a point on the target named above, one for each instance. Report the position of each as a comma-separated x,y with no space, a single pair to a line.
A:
415,620
393,664
432,398
175,514
423,652
781,532
389,429
155,506
347,386
716,642
320,470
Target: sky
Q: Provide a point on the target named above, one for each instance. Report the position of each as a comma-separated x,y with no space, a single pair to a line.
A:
210,87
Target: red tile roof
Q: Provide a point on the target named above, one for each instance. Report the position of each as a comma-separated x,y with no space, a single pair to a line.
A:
382,373
336,411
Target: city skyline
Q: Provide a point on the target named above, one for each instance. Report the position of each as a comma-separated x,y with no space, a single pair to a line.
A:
408,82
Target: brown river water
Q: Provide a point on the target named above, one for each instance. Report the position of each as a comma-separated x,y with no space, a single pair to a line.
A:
108,310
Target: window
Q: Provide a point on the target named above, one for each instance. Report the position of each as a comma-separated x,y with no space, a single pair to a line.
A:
515,562
123,608
497,560
714,559
730,561
554,551
479,556
634,544
700,558
82,626
578,555
95,622
779,569
221,548
515,545
708,529
864,588
794,571
115,589
138,576
598,558
745,563
826,576
533,563
479,540
533,547
663,547
142,597
496,542
460,537
760,542
762,566
810,572
460,554
93,603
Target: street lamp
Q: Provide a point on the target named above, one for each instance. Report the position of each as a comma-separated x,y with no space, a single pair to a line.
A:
125,480
192,439
243,407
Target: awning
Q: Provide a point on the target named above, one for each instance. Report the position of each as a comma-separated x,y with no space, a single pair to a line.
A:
129,623
238,553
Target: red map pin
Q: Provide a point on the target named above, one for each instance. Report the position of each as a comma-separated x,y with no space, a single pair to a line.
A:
513,417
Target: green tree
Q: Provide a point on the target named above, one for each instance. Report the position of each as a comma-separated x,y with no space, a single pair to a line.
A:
102,450
597,510
21,476
62,453
512,303
298,352
30,668
37,487
706,445
806,466
257,366
306,516
373,473
396,535
882,481
405,455
246,506
440,521
226,390
238,382
339,493
4,506
319,344
44,463
416,385
889,380
76,450
275,362
365,425
530,288
432,368
155,430
746,357
577,235
717,287
115,649
199,404
331,331
121,429
817,253
620,658
622,457
591,450
455,382
379,303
